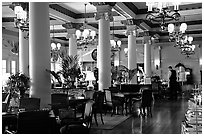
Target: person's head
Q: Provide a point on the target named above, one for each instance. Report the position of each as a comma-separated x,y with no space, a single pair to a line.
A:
170,67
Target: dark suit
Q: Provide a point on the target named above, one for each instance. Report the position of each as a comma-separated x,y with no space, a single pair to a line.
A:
173,85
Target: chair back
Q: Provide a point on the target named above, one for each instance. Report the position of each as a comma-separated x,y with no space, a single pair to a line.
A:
89,94
98,98
108,95
6,97
147,98
33,122
59,99
30,104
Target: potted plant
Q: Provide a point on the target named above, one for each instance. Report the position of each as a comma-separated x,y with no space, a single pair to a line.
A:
18,83
70,70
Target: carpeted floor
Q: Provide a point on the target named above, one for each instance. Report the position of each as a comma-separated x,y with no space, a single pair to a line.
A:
109,122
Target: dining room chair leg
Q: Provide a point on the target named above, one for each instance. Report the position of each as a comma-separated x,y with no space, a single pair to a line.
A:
95,117
102,118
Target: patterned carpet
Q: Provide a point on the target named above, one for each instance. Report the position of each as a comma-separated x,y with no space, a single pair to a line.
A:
109,122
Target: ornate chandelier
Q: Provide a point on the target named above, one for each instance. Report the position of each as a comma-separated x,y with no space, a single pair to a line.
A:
85,36
21,10
161,12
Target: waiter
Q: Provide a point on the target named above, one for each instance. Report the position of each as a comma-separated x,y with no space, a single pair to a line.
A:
172,83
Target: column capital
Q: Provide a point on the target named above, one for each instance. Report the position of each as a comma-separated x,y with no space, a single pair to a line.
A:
131,30
71,32
147,37
104,10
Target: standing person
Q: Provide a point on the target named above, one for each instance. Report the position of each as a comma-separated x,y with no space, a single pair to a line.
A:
172,83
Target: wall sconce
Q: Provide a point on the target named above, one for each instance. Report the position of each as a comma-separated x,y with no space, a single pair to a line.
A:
157,63
126,52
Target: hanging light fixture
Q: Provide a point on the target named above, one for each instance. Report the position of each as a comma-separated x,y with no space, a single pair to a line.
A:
55,48
85,36
161,12
21,11
115,45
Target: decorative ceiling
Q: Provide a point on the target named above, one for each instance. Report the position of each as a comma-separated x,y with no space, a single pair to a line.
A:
63,12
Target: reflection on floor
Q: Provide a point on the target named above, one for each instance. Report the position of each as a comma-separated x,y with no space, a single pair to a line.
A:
167,118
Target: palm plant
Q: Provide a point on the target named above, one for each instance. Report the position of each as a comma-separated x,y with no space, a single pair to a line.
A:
56,75
70,68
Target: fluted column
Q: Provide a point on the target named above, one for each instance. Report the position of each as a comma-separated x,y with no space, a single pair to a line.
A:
147,55
104,16
23,53
39,59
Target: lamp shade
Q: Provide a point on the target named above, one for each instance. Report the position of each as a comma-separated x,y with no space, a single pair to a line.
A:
90,76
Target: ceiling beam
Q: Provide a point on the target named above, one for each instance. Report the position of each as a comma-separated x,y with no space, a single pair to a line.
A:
124,11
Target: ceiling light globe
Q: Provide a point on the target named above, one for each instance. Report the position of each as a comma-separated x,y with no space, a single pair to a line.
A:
53,45
78,33
126,50
170,28
58,45
85,33
93,34
18,9
190,38
113,43
183,27
119,43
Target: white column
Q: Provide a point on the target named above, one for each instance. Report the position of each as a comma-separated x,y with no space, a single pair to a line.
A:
23,53
132,58
147,57
72,42
39,59
104,47
104,54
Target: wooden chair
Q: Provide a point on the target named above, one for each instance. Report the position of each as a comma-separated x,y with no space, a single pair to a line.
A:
112,103
98,98
81,125
147,99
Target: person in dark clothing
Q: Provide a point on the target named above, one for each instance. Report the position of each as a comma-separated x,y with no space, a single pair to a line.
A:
172,83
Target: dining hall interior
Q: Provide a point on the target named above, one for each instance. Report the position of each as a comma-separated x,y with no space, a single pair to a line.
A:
81,67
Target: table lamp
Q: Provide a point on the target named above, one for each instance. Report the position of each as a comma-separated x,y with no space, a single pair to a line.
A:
90,77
